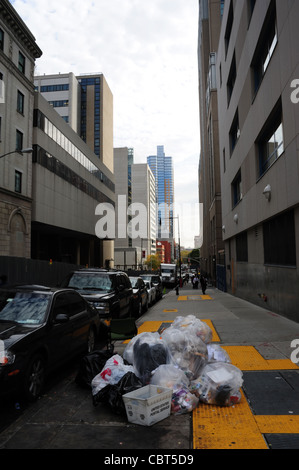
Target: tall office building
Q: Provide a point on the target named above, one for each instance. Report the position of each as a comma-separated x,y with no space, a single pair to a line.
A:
211,251
86,103
134,184
162,169
257,79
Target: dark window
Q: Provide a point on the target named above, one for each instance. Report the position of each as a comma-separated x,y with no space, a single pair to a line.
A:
229,26
237,189
1,39
231,79
234,132
250,5
270,142
265,47
242,247
21,63
279,240
20,102
18,181
19,140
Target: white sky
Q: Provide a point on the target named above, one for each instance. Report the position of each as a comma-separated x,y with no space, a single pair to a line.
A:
147,51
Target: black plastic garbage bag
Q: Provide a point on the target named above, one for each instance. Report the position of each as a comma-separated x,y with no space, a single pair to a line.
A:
90,366
112,394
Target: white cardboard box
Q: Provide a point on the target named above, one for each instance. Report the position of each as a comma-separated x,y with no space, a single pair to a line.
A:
148,405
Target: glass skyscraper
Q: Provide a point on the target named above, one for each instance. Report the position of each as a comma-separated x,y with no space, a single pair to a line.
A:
162,169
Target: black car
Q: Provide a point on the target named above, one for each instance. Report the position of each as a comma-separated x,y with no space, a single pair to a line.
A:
109,291
40,329
156,281
140,295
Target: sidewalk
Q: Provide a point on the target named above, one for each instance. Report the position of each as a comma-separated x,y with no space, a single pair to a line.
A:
258,342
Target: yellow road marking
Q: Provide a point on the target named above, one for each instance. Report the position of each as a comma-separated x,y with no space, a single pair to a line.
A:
194,297
278,424
152,326
232,427
248,358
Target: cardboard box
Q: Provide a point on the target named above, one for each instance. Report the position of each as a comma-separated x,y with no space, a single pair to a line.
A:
148,405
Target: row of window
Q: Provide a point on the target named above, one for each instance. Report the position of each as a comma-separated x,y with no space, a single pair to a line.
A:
44,158
270,142
279,238
21,57
43,123
49,88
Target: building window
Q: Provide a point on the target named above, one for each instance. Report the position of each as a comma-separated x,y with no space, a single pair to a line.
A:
270,142
19,140
1,39
242,247
21,63
280,240
229,25
265,47
234,132
237,189
231,79
221,7
18,181
20,102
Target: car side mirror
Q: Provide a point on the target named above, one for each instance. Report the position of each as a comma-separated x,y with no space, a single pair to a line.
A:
61,318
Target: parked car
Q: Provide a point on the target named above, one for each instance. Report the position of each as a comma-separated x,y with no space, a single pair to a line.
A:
40,329
152,293
156,281
140,296
110,292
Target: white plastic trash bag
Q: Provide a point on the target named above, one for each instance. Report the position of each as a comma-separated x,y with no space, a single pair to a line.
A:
112,373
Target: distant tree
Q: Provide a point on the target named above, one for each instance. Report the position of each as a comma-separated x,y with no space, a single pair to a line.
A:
153,262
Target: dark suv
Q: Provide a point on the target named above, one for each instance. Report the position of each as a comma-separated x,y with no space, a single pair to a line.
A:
109,291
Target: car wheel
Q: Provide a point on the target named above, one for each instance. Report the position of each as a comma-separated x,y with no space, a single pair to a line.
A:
34,378
91,341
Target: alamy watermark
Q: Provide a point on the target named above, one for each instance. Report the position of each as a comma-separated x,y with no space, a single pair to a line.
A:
133,220
295,93
295,353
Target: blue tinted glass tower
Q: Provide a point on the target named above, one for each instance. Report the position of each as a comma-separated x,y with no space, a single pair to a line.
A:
162,169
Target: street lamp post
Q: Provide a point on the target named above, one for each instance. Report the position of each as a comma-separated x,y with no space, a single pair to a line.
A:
29,150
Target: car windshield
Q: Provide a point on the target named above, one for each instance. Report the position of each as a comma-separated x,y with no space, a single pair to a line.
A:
147,278
134,281
28,308
91,281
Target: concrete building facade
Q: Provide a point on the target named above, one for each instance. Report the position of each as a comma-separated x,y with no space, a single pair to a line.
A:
18,53
86,103
212,246
257,67
69,181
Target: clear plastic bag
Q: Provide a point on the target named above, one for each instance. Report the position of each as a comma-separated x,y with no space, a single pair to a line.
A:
170,376
111,373
193,325
187,349
218,384
217,354
149,352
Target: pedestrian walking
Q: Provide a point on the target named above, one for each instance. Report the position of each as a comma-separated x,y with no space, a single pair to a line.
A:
203,283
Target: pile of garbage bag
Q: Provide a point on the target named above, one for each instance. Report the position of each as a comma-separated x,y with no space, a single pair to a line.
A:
181,358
